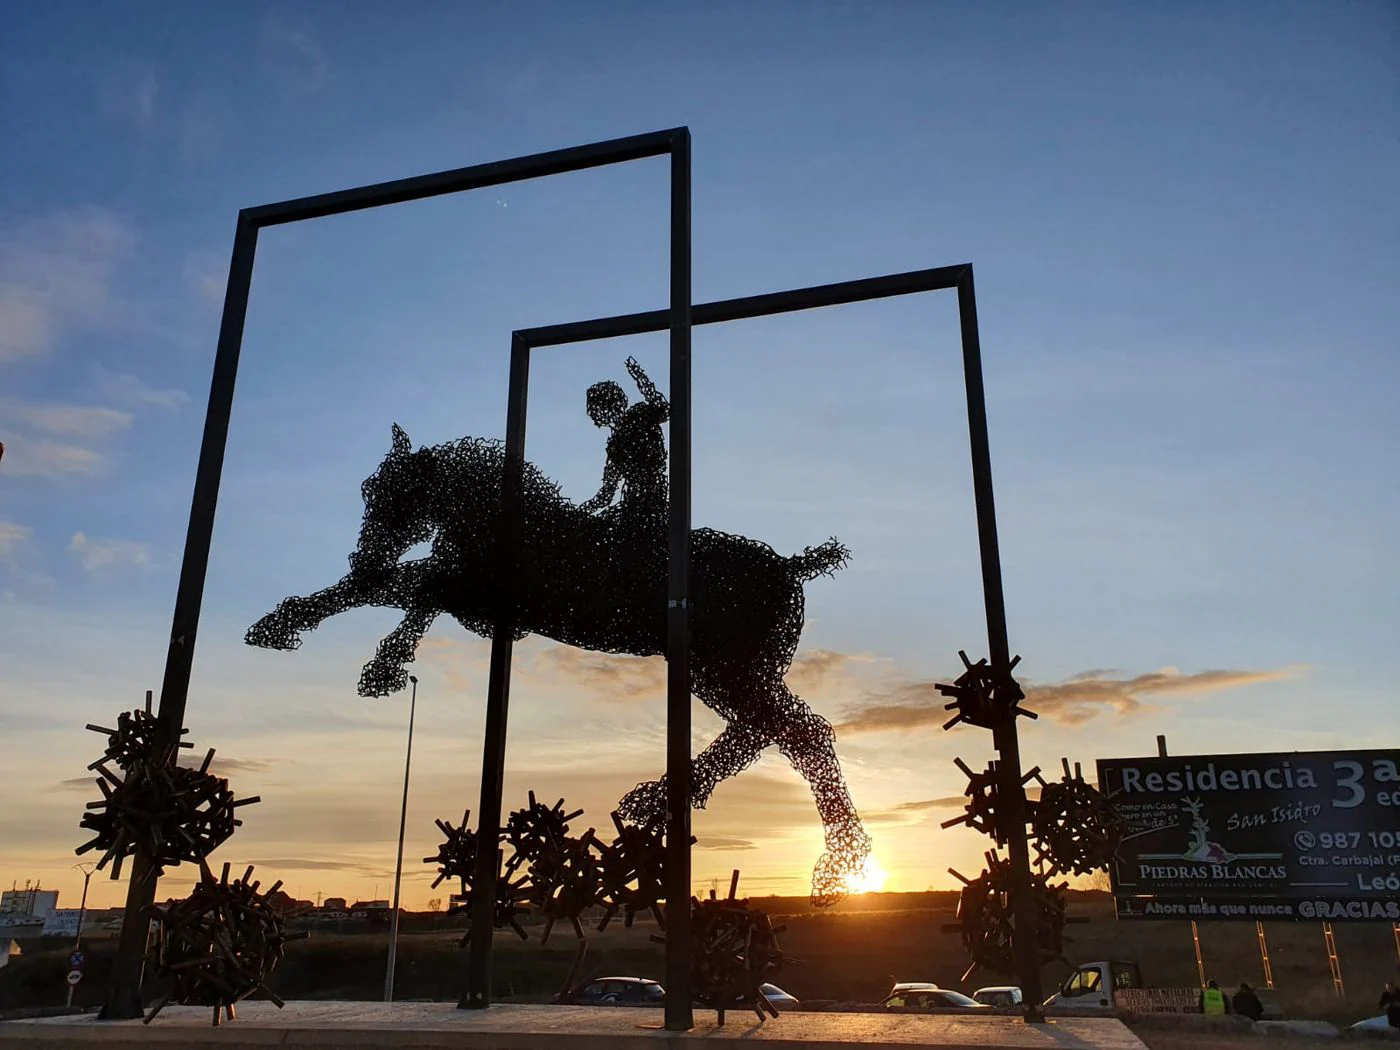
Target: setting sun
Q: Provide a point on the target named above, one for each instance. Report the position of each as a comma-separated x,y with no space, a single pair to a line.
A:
870,879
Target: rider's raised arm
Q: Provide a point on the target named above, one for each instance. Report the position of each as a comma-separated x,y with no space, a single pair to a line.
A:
612,477
653,396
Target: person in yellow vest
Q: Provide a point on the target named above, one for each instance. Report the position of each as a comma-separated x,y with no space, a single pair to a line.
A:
1213,1001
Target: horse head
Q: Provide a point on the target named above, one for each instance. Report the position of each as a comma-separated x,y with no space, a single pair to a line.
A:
398,498
398,502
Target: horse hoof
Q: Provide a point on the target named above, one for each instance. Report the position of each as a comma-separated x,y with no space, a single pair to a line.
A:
832,877
273,632
377,680
645,804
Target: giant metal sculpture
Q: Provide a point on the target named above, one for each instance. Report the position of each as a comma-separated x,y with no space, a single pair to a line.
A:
743,739
593,575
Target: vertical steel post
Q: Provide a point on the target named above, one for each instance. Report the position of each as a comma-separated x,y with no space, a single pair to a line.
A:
398,862
87,870
1011,793
679,1014
124,993
493,759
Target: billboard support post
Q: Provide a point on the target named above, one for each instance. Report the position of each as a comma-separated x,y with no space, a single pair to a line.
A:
1200,963
1333,960
1264,956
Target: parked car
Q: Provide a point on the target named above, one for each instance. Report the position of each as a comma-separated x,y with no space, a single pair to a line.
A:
1373,1024
929,996
618,991
641,991
998,995
779,998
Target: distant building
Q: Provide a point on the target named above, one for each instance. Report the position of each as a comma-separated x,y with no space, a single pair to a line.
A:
285,905
375,911
335,904
28,903
63,922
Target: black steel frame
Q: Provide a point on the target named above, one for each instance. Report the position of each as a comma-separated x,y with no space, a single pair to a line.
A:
124,995
1011,792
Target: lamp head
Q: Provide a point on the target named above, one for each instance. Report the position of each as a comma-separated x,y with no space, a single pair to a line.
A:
413,678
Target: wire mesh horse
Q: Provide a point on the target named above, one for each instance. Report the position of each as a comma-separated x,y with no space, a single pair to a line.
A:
596,581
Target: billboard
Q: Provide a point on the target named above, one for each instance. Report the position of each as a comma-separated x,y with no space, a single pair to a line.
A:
1312,835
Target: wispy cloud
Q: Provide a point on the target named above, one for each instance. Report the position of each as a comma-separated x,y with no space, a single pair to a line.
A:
643,678
55,272
222,766
312,864
907,812
107,554
47,459
914,704
129,93
86,421
123,388
205,276
296,58
626,678
12,534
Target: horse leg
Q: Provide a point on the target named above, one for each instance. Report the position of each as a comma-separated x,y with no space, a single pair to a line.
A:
281,628
729,754
808,742
385,673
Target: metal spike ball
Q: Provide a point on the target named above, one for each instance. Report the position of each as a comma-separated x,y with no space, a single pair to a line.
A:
171,813
1076,827
987,923
221,944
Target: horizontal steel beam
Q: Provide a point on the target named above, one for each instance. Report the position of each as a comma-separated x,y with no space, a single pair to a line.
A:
419,187
750,306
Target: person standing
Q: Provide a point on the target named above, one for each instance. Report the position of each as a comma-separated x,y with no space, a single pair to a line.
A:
1213,1001
1247,1004
1390,1005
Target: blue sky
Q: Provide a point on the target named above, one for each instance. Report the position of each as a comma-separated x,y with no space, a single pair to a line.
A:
1185,237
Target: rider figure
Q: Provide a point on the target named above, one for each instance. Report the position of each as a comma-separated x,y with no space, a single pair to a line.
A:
636,453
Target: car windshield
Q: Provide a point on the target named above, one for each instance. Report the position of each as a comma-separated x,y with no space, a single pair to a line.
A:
952,998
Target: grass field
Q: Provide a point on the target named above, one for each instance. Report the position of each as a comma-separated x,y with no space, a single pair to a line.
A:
850,953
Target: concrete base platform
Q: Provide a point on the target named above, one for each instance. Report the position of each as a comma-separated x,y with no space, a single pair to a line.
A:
511,1027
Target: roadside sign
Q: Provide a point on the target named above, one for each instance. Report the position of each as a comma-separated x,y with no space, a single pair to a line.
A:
75,961
74,976
1280,836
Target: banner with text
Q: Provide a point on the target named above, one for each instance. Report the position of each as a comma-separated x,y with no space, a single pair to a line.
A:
1304,835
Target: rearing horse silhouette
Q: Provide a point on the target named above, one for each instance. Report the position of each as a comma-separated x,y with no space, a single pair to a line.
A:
596,581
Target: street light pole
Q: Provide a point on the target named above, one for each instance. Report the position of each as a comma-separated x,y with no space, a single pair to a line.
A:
87,870
398,865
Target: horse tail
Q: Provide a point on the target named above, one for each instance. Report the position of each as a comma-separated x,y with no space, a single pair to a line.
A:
821,560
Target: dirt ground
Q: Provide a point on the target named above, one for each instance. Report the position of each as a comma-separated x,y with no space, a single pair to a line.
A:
851,953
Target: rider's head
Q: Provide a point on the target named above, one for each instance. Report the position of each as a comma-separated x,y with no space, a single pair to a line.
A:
606,403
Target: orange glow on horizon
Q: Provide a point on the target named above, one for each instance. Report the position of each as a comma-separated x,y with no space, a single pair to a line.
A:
870,879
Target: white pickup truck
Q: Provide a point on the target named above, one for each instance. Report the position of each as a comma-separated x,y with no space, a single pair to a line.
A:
1116,984
1093,985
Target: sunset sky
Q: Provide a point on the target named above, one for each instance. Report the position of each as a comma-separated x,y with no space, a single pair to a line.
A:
1184,228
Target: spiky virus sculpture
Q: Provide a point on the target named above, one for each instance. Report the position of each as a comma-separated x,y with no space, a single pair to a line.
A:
172,813
220,944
